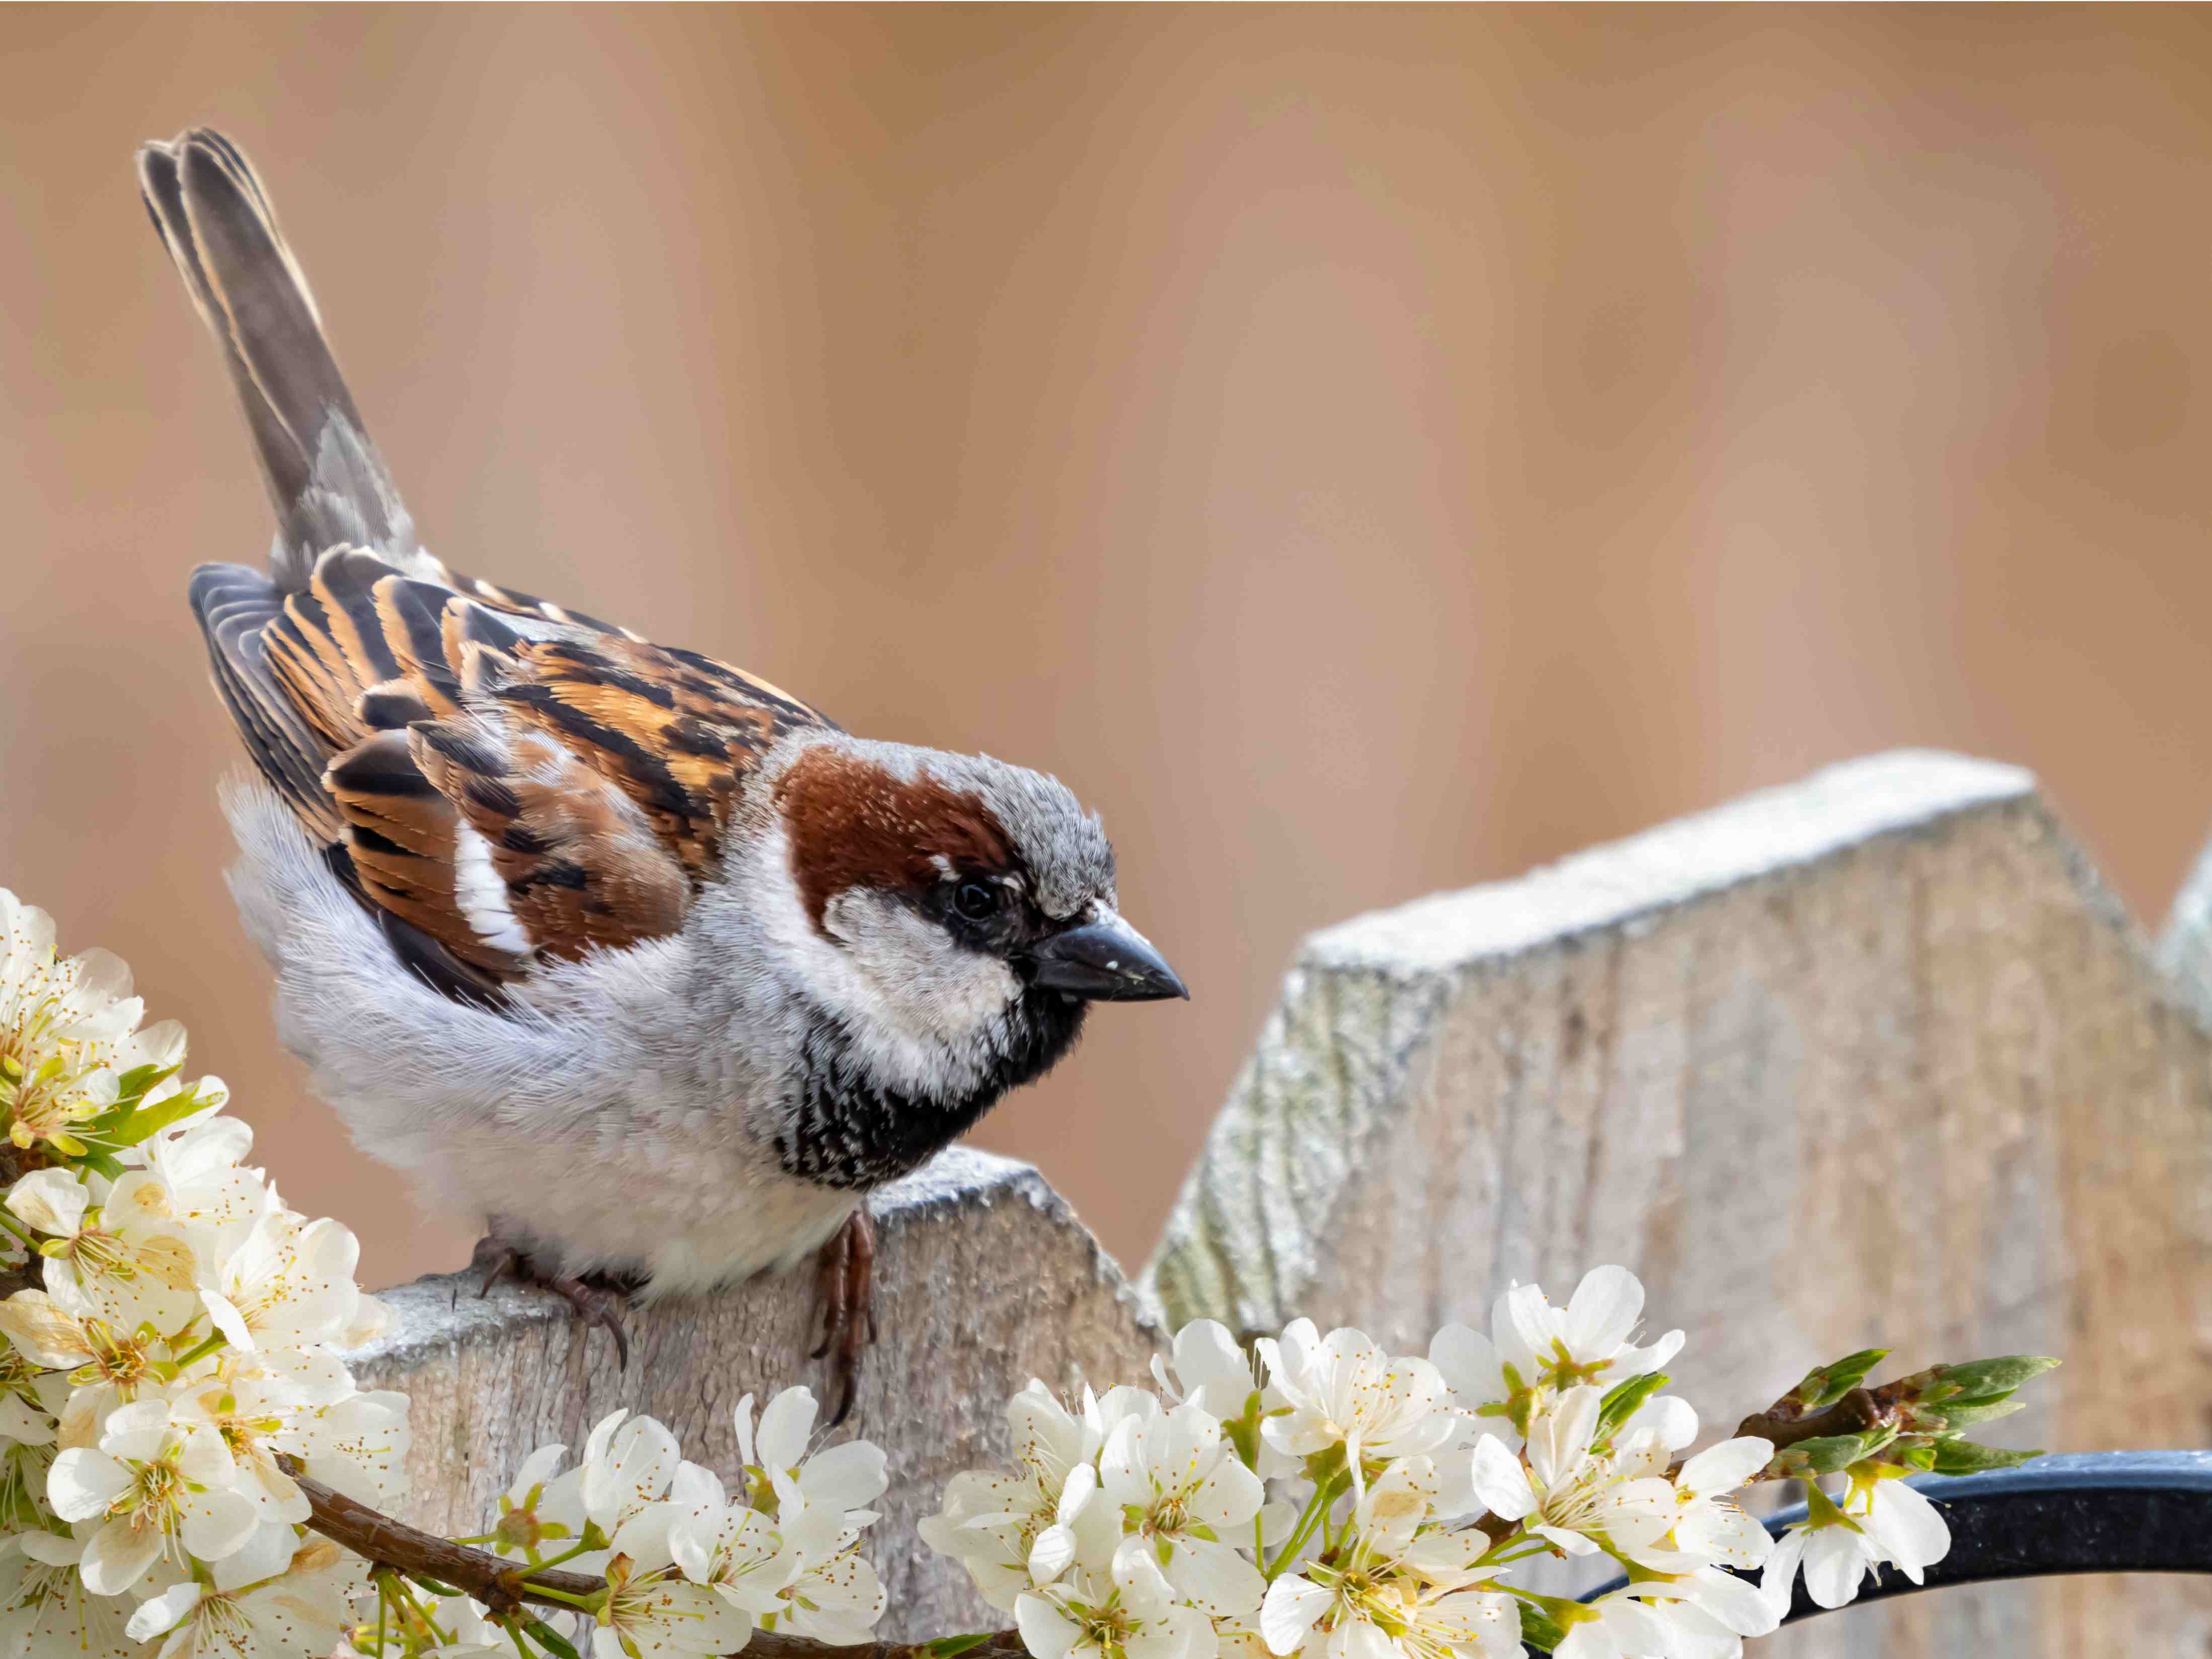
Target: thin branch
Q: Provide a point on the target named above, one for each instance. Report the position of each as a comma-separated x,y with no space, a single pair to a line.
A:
503,1585
1786,1422
376,1537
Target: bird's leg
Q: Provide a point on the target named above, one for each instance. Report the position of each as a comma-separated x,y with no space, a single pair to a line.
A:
596,1302
846,1288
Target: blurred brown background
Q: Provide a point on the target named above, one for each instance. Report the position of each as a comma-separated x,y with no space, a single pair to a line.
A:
1363,451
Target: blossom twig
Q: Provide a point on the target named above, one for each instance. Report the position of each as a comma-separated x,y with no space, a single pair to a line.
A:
502,1585
1786,1422
378,1539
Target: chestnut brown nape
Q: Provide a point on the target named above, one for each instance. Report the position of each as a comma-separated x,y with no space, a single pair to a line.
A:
855,824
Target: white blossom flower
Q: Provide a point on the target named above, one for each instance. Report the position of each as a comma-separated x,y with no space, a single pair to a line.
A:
1575,1497
1623,1625
68,1032
42,1330
1341,1389
627,1464
837,1599
1127,1613
846,1478
1706,1615
183,1349
301,1610
127,1272
44,1607
1397,1591
192,1175
1012,1528
289,1282
1181,1485
1835,1558
1207,1367
1881,1522
1587,1340
1709,1527
1908,1530
649,1613
358,1445
1394,1592
541,1512
259,1416
1534,1349
162,1489
733,1550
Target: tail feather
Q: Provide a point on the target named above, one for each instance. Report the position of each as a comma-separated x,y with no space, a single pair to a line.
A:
327,481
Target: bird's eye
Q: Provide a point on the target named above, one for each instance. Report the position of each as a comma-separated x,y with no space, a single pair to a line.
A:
978,901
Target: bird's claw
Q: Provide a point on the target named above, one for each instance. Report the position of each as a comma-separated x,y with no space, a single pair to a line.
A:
495,1260
595,1304
846,1287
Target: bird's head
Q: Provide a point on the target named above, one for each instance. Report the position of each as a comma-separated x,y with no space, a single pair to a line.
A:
954,914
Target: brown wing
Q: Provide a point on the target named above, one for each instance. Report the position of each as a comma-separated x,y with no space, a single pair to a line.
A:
502,781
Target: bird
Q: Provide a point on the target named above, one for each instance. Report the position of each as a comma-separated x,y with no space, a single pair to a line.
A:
646,967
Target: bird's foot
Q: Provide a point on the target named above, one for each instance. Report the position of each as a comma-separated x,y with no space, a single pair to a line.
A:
846,1291
598,1304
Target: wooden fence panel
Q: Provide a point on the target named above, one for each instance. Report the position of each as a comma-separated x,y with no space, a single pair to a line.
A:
1873,1056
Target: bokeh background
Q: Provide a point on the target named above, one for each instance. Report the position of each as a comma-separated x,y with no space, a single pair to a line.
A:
1364,451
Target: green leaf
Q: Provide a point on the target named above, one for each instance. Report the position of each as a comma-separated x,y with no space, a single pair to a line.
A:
1965,1457
150,1120
549,1638
1964,1413
946,1647
130,1089
1621,1401
1832,1383
134,1083
1832,1452
1977,1377
1538,1631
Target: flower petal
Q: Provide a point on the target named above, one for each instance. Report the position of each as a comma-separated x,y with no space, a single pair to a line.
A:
1724,1468
846,1477
1602,1312
1500,1481
1047,1632
119,1555
83,1482
1287,1615
785,1426
164,1611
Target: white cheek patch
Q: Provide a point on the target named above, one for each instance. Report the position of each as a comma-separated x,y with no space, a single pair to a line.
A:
932,986
909,996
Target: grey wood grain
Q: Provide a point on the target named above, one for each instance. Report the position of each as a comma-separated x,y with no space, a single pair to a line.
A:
1875,1056
985,1280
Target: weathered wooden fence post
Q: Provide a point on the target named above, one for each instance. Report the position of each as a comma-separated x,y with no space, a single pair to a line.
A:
1872,1056
985,1279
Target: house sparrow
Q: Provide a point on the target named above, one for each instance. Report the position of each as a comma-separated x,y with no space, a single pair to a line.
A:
647,965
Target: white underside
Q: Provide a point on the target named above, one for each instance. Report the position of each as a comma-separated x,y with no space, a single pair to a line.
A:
612,1122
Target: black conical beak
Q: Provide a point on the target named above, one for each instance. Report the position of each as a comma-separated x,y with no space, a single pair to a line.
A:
1104,960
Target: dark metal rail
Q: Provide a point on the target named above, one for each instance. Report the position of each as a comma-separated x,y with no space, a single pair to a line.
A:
2147,1511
